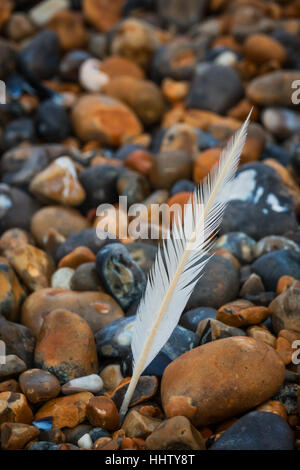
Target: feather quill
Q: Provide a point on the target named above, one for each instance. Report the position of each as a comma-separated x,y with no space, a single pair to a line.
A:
180,261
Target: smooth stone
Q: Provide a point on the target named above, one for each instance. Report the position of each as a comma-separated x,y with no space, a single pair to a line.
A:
52,122
91,383
134,186
97,432
168,167
85,278
120,275
273,89
274,243
288,395
100,184
215,88
272,266
173,14
221,379
12,294
61,279
18,131
139,425
85,442
70,64
18,339
13,366
104,119
72,435
96,308
281,122
41,55
66,346
219,285
285,309
65,221
239,244
39,385
67,412
259,203
15,204
102,412
257,430
88,238
146,389
192,318
291,43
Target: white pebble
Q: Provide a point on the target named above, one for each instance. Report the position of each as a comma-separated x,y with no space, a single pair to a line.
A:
90,76
90,383
85,442
61,279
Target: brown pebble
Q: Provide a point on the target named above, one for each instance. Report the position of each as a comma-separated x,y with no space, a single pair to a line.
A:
102,412
284,283
15,436
79,256
274,406
39,385
14,408
235,314
138,425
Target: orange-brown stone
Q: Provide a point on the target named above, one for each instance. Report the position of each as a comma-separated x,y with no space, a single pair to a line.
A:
79,256
14,408
102,412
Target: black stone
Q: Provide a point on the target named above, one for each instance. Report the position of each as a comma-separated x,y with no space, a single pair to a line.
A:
216,88
291,42
97,433
143,254
41,55
86,238
272,266
182,186
257,430
211,330
119,274
134,186
18,339
70,64
192,318
259,203
100,184
239,244
217,286
52,122
18,131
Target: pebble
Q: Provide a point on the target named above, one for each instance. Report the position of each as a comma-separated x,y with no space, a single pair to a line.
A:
14,408
100,184
61,279
33,266
239,244
93,115
139,425
216,88
145,390
15,204
96,308
12,293
59,183
65,21
12,367
257,430
73,435
143,254
18,131
212,329
237,385
134,186
102,412
273,89
281,122
64,220
85,278
66,356
8,59
274,243
285,309
120,275
85,442
205,161
101,15
39,385
168,167
18,339
52,122
175,433
67,412
139,160
261,48
79,256
14,436
242,313
259,204
260,333
41,55
192,318
86,238
219,285
271,266
91,383
111,376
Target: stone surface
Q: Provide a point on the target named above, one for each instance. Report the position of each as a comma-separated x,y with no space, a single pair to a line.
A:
39,385
14,408
96,308
14,436
101,118
67,412
259,204
273,89
256,431
221,379
66,346
175,433
272,266
102,412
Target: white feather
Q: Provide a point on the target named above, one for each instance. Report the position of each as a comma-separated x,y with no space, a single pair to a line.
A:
180,261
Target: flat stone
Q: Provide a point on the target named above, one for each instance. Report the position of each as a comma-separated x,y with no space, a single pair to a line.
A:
39,385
